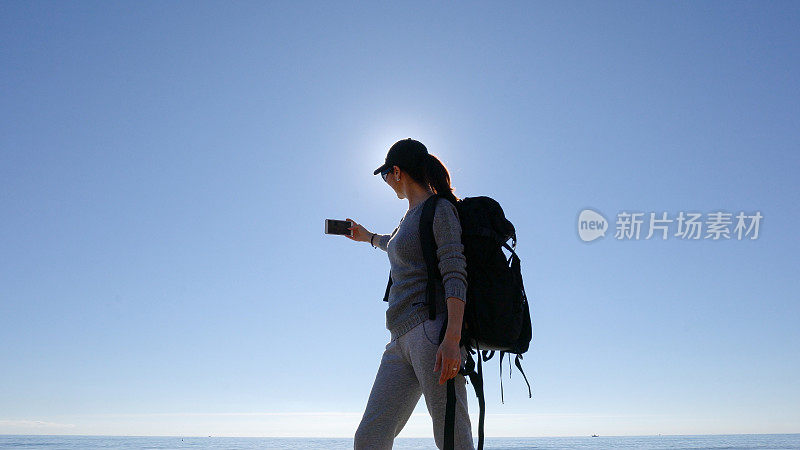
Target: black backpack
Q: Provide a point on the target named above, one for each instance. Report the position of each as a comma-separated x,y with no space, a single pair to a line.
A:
496,314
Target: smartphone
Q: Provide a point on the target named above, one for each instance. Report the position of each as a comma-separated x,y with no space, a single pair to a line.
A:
333,226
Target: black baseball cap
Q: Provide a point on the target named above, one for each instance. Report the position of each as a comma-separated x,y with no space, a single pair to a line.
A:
406,153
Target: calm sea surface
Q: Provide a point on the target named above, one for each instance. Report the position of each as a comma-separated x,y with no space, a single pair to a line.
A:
730,441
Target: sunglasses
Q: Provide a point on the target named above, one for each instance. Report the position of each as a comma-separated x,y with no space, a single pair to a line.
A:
385,172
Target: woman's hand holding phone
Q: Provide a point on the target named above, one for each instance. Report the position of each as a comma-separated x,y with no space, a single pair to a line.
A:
359,232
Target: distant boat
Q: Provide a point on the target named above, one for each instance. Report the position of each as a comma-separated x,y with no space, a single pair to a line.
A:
594,435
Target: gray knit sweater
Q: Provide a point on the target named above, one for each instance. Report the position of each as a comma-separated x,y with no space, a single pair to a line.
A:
407,306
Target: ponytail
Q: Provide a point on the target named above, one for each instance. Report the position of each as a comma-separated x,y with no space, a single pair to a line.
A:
433,175
437,177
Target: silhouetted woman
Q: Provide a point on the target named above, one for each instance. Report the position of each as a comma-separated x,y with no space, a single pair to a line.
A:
414,362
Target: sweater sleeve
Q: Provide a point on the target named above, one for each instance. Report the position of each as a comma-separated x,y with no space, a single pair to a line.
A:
450,250
381,241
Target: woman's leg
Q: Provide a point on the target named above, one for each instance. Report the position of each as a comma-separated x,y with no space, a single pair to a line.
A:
423,342
394,395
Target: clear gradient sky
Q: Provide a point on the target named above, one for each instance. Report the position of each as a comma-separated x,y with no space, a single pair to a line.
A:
166,169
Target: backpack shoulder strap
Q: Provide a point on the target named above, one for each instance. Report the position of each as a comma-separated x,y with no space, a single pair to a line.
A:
477,383
388,287
428,242
389,283
429,251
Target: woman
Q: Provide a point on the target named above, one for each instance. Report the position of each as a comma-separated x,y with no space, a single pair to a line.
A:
414,355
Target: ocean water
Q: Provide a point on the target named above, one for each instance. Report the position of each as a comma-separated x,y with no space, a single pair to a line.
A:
727,441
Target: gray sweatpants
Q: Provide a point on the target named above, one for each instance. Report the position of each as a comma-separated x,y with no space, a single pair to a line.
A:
406,373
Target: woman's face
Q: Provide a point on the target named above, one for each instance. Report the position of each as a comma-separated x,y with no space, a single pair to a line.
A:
391,180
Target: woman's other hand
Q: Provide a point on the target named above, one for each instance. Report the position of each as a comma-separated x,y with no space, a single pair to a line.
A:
359,232
448,359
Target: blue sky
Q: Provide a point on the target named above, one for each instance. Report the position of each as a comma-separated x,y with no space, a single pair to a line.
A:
166,169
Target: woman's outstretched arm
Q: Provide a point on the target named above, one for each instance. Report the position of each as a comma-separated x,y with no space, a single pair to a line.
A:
361,234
